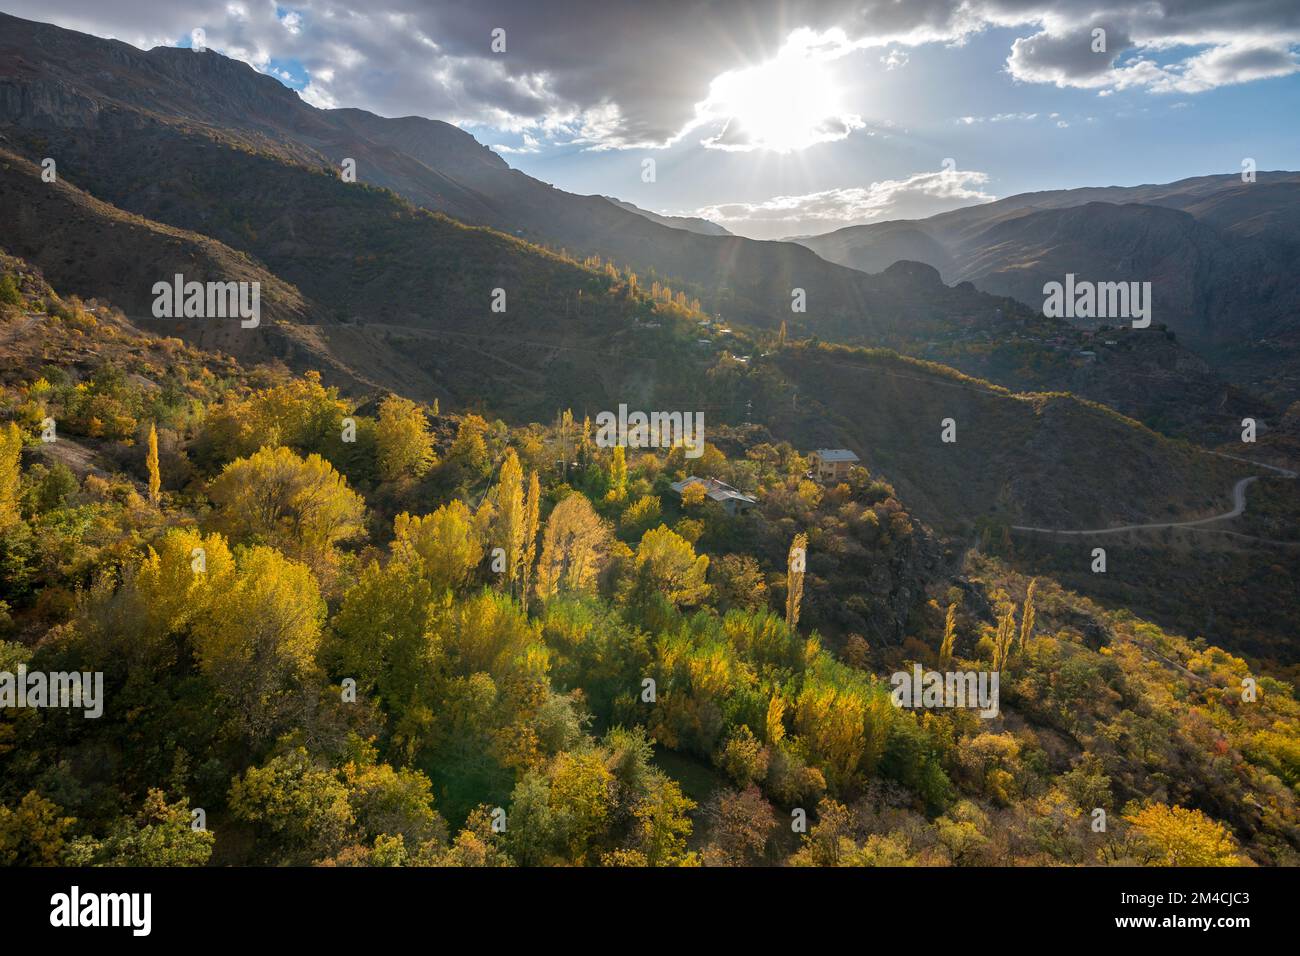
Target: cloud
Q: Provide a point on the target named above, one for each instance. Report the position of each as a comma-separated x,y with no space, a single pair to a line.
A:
619,74
917,196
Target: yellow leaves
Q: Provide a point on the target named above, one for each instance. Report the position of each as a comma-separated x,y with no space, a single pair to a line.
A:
575,546
666,562
302,506
404,442
445,544
269,618
775,723
181,576
151,461
11,447
1176,836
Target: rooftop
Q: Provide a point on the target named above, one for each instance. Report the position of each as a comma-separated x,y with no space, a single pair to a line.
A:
836,454
713,488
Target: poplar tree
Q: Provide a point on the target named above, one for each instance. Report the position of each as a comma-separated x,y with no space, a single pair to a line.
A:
949,637
1027,618
510,515
532,521
11,450
796,562
155,477
1003,643
618,475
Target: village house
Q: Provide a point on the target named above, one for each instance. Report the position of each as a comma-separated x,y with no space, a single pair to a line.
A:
832,464
734,501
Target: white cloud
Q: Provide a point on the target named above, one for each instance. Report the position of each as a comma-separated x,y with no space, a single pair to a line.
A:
917,196
643,78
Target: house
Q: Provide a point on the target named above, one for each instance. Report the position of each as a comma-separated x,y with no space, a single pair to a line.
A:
832,464
732,499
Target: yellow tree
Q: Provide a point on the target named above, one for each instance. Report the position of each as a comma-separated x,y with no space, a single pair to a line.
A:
405,444
445,544
11,450
1176,836
259,637
617,475
949,637
155,476
796,564
666,563
508,527
301,506
574,547
1027,616
1004,642
532,524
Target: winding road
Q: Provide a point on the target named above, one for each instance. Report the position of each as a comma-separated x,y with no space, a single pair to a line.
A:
1238,506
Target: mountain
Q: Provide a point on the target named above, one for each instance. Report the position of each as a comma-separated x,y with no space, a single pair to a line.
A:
94,103
690,223
1219,253
173,161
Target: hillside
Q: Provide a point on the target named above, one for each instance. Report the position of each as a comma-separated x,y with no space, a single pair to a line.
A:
93,102
1019,458
1217,251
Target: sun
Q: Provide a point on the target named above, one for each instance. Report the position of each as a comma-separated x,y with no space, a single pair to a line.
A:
786,104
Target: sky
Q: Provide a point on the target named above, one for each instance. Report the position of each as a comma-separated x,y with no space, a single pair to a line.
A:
784,117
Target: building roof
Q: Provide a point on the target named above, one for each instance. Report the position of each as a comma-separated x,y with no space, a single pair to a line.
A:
836,454
713,488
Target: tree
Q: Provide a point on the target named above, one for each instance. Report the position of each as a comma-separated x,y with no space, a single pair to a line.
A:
303,507
666,563
11,449
445,544
469,451
382,636
742,823
405,444
508,527
575,545
738,582
296,803
532,524
151,460
949,637
640,515
34,834
1004,641
259,638
796,564
1027,616
161,834
617,475
1176,836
